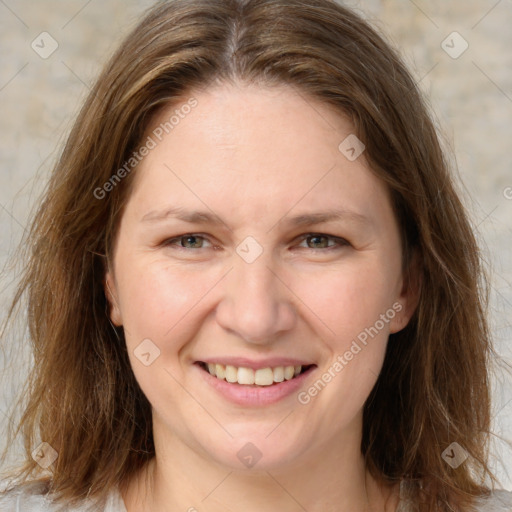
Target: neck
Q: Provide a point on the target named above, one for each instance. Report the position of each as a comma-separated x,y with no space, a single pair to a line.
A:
333,478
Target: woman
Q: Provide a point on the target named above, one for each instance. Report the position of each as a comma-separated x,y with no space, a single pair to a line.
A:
251,283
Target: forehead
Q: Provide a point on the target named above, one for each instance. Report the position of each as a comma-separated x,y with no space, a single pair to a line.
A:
253,149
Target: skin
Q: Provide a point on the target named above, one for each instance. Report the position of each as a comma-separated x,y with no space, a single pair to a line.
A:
256,156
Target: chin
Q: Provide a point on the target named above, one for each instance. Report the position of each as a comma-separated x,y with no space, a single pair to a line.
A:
256,453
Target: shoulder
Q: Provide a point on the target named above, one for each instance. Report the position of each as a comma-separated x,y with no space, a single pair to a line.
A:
33,497
29,497
498,500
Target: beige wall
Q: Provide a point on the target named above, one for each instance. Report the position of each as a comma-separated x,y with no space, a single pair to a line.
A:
471,94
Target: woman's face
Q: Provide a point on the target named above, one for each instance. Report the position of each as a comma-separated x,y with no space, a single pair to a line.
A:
253,241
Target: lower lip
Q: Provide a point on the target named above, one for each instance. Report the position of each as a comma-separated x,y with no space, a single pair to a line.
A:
253,396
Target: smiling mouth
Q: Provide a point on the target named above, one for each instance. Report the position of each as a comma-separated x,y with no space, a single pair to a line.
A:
254,378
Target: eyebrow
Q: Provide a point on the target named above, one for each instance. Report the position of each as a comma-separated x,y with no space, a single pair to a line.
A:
304,219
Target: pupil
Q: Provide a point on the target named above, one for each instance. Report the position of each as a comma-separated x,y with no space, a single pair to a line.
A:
188,238
317,238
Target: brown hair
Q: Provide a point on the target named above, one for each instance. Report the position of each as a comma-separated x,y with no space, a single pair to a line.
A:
83,398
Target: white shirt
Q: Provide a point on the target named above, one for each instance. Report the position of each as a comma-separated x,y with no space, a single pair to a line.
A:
31,498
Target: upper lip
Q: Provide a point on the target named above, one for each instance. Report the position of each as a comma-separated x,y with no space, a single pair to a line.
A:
272,362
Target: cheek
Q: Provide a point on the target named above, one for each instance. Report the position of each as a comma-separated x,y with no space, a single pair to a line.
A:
349,299
350,303
159,303
159,300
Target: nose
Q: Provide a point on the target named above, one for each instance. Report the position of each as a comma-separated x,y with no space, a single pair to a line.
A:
256,305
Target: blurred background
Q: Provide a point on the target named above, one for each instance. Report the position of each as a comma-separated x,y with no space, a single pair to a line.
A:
460,53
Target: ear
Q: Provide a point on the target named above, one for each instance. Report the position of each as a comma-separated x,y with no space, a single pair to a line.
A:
110,289
409,297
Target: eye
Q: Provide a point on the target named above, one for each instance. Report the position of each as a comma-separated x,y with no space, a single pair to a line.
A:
315,241
188,241
321,241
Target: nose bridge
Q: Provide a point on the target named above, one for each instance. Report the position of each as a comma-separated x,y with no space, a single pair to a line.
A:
254,280
255,304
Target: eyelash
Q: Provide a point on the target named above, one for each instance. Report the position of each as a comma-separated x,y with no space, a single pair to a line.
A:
341,242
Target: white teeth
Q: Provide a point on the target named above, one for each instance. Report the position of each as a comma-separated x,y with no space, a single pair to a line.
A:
289,372
247,376
231,373
220,371
263,376
279,374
